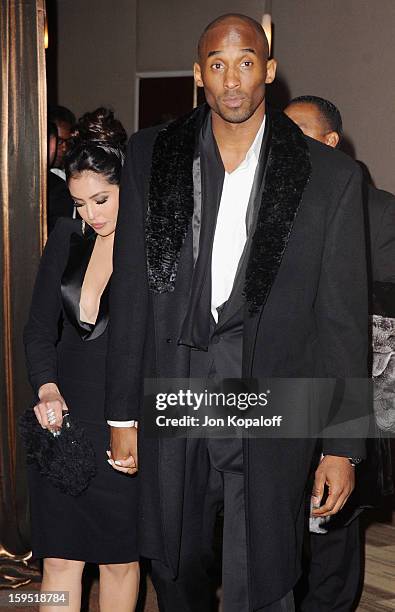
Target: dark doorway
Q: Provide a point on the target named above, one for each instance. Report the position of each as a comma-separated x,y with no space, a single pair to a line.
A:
163,99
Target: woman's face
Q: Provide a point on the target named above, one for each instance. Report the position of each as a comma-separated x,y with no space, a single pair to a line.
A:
97,201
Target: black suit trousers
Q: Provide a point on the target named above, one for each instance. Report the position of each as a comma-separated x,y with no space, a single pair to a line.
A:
333,571
214,484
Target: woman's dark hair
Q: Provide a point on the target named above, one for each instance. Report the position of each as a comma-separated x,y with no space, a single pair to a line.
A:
97,144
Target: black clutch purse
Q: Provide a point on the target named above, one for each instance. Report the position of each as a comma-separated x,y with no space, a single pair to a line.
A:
66,459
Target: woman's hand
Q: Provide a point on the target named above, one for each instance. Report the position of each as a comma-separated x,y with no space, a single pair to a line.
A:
50,407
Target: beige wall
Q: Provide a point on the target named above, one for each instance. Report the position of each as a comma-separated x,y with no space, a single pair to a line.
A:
99,51
168,30
96,42
344,50
340,49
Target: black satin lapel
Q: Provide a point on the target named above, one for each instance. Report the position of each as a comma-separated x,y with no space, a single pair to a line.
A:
287,174
197,206
102,316
170,200
73,276
81,248
195,331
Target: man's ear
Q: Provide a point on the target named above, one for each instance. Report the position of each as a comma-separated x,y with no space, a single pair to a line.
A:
197,75
271,68
332,139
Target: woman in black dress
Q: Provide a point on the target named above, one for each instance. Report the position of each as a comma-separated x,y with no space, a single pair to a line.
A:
65,340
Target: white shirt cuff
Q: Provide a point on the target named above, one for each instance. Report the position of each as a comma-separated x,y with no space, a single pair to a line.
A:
122,423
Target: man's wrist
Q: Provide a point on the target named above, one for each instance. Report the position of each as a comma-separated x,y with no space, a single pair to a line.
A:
354,461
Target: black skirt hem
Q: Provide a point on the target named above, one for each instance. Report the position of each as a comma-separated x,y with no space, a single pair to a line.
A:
56,554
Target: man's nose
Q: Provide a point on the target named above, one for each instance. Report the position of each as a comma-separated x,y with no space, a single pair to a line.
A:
232,78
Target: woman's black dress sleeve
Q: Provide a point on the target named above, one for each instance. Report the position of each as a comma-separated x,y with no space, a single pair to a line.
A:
42,329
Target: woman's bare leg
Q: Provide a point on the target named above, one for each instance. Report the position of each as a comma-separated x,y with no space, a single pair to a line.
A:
63,575
119,587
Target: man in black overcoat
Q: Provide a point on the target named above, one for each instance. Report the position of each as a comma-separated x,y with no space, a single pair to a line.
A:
334,564
196,292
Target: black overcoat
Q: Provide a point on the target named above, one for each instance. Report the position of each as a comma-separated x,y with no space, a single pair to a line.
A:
381,216
306,285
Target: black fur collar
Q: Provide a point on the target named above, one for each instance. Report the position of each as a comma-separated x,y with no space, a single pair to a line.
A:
287,174
170,206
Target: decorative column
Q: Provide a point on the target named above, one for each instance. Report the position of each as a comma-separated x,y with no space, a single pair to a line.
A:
22,222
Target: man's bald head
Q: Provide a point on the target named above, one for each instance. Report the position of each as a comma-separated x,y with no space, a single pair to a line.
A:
233,19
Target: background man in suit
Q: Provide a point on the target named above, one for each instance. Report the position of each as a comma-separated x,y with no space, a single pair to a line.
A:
321,119
64,120
235,255
60,203
334,568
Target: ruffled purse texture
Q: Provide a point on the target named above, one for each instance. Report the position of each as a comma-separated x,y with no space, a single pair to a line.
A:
67,460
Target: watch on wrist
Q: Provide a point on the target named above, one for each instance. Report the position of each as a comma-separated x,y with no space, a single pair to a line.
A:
355,460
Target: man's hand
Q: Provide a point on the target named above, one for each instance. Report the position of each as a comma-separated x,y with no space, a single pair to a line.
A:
339,476
123,453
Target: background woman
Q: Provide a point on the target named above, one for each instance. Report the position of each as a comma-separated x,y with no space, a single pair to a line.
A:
65,340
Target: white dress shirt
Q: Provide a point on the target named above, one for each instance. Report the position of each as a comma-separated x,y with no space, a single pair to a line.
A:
230,232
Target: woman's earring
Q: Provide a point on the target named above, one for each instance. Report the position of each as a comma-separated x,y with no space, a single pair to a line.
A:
83,227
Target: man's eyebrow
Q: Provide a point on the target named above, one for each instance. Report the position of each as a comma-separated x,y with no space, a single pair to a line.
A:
218,51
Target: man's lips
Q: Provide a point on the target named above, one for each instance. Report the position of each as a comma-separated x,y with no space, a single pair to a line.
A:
233,102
